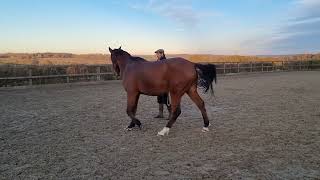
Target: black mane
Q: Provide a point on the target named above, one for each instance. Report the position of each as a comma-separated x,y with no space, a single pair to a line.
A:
137,59
120,52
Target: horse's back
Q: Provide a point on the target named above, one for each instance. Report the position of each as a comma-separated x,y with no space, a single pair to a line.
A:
178,60
164,65
181,66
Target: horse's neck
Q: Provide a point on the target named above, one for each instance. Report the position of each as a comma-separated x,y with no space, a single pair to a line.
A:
129,59
123,64
137,59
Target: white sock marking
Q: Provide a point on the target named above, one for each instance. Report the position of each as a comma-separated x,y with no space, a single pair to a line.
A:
164,131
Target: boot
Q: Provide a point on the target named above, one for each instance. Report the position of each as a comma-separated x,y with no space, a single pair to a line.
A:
160,115
169,111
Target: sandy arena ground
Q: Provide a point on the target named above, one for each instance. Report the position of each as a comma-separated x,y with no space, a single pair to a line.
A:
264,126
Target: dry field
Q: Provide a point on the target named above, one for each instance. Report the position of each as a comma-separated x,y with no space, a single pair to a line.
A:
264,126
67,58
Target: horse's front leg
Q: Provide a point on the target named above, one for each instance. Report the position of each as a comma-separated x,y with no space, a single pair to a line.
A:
132,103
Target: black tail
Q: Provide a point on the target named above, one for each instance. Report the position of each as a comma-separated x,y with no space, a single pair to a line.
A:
206,74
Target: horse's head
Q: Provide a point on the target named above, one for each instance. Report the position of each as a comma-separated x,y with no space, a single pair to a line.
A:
117,57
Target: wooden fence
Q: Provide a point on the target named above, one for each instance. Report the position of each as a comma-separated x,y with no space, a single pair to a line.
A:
236,67
32,78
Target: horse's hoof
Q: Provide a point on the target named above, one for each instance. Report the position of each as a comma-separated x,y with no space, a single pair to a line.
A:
164,131
128,129
205,129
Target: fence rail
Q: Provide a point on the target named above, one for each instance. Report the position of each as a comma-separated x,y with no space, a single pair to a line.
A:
222,68
55,76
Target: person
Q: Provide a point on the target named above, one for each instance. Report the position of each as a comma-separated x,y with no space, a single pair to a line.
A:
164,98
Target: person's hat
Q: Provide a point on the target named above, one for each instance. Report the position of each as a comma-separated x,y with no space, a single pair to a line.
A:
159,51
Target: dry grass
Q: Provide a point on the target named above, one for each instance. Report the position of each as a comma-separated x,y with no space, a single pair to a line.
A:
66,59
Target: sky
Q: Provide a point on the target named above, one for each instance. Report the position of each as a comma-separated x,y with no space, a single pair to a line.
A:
243,27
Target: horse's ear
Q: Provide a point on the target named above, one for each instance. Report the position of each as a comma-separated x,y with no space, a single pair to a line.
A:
110,50
120,47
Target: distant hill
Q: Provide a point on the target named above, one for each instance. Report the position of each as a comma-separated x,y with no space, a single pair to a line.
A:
68,58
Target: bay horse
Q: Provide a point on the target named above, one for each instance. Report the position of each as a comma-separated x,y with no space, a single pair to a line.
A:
176,76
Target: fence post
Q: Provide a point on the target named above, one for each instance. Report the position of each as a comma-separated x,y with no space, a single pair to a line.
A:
224,68
251,67
238,67
282,65
30,77
68,79
98,74
262,67
272,66
300,64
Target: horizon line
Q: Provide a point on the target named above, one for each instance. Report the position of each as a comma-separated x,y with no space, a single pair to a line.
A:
53,52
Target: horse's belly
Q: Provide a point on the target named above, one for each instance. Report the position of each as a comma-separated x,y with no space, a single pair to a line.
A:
153,88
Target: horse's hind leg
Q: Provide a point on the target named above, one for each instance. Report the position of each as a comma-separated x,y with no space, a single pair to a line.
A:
175,112
193,94
132,102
